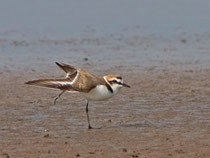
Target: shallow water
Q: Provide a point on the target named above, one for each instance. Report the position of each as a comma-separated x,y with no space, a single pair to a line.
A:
108,33
59,19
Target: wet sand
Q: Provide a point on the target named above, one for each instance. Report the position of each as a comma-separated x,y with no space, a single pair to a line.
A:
165,113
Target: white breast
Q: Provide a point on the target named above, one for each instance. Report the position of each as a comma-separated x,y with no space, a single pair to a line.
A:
100,92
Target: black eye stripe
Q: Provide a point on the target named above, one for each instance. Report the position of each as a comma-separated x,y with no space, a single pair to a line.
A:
115,81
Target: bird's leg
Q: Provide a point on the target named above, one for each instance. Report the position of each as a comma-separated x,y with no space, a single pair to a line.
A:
89,126
59,95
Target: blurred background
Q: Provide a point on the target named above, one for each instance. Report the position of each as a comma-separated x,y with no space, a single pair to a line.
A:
138,32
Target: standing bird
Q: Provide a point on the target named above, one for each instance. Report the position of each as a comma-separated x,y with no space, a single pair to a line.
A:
93,88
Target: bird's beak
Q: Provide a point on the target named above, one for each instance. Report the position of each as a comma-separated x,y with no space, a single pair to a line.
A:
125,85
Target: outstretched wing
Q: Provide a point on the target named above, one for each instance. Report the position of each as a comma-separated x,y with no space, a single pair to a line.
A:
76,80
66,68
82,80
62,84
71,71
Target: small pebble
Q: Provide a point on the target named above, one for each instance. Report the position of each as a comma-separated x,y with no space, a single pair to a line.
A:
124,150
46,136
135,156
78,155
5,155
183,40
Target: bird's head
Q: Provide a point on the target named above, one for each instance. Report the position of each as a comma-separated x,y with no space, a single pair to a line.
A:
115,81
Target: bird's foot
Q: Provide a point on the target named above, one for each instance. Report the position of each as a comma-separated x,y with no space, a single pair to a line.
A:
56,98
90,127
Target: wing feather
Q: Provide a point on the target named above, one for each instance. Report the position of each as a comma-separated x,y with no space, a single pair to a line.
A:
76,80
62,84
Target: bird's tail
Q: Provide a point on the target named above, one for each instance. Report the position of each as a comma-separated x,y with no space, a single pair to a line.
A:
62,84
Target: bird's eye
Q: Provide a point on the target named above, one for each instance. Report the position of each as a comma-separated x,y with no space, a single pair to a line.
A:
114,81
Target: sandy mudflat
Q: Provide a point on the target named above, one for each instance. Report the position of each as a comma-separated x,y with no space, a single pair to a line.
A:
166,113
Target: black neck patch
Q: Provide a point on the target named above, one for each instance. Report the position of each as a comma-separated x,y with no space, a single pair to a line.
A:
109,88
